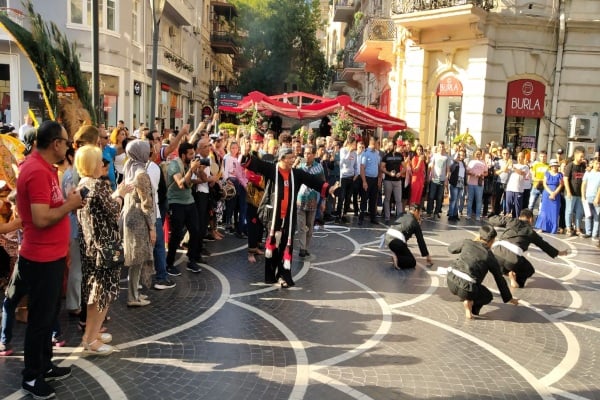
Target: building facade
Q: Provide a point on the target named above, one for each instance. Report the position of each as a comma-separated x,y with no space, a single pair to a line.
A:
513,72
196,51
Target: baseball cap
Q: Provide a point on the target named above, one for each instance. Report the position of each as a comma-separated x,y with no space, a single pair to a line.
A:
560,151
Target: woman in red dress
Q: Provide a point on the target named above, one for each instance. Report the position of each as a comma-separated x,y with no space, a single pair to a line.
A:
418,176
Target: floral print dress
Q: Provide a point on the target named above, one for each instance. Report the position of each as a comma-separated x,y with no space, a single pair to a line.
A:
98,226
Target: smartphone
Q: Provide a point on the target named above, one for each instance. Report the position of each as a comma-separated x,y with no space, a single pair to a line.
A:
84,192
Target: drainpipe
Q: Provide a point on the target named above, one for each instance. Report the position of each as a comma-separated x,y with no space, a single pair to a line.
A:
558,70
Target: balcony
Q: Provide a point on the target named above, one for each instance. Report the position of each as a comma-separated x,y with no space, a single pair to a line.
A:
15,15
180,12
376,50
223,42
223,9
171,64
343,10
429,15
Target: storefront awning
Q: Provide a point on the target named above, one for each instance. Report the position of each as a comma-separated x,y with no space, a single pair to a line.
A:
316,107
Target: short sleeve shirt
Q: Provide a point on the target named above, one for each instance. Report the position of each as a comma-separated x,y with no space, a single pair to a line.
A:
176,195
38,184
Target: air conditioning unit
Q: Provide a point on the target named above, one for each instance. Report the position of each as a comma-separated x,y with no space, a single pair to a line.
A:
163,111
583,127
172,31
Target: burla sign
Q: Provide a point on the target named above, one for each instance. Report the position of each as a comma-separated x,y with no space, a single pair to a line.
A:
525,98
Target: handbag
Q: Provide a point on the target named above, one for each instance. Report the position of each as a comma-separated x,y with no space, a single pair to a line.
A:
254,194
111,256
540,186
265,207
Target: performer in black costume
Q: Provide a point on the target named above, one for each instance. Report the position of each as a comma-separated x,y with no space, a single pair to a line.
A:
399,233
514,241
284,189
466,273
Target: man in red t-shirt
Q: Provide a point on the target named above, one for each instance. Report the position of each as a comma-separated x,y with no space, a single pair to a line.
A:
42,257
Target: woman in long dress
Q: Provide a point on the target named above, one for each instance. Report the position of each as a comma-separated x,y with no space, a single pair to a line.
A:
139,218
547,220
99,231
418,176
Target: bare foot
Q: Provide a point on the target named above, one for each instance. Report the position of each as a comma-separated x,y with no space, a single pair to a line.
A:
395,261
513,279
468,304
251,258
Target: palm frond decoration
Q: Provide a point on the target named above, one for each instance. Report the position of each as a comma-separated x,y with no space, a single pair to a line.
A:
39,53
67,62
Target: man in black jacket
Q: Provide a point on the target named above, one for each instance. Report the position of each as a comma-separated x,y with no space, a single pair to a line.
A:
465,275
399,233
514,241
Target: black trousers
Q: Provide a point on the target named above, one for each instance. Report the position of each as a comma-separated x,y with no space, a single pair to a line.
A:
44,283
436,193
405,257
523,269
255,228
479,294
346,188
182,216
201,201
369,197
274,266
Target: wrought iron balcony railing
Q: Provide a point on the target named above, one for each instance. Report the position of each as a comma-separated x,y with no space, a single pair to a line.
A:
410,6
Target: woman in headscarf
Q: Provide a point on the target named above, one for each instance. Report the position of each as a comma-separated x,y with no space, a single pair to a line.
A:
139,217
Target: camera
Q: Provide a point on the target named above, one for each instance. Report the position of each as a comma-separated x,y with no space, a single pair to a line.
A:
203,161
83,192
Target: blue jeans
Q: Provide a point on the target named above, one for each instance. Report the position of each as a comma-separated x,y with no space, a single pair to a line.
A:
533,197
573,210
160,255
593,222
475,195
455,193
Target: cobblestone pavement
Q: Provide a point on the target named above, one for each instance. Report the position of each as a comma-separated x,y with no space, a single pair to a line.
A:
352,328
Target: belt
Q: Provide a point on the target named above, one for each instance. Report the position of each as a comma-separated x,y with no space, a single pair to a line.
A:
461,275
396,234
513,248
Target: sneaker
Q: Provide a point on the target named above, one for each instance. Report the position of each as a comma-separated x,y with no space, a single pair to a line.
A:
164,284
40,390
138,303
585,236
5,350
57,373
192,266
173,271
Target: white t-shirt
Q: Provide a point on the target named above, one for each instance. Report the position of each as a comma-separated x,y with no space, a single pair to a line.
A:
515,181
154,174
202,187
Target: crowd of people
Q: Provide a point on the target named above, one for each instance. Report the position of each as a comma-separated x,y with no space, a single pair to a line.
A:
85,207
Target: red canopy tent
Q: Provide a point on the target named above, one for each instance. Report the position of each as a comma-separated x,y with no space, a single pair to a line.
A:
317,107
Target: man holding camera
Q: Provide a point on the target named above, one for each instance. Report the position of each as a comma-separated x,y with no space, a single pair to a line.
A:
182,208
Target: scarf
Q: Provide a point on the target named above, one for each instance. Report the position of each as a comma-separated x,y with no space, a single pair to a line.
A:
138,153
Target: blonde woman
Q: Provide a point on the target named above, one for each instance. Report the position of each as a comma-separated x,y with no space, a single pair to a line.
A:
98,224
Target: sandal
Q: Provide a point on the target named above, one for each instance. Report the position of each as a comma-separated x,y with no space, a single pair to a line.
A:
102,350
81,327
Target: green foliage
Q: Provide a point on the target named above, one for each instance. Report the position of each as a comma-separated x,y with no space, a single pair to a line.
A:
36,44
53,58
281,46
342,123
232,128
408,135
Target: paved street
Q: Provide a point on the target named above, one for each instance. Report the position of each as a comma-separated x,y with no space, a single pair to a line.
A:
352,328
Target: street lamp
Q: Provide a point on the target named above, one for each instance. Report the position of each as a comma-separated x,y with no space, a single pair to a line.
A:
156,6
216,93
